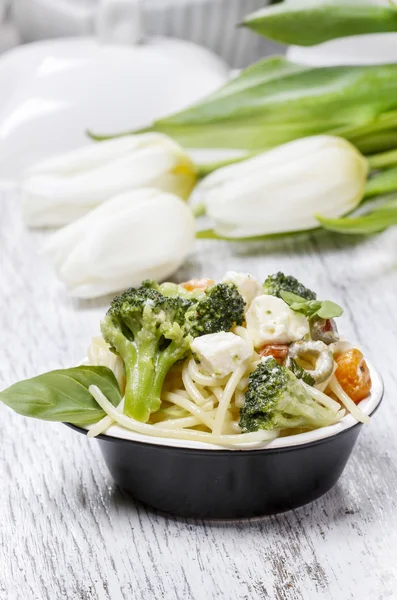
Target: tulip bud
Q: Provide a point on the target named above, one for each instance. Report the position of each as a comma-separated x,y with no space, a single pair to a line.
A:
59,190
281,190
137,235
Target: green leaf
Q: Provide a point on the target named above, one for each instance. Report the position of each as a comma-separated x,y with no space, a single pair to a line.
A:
310,22
293,299
275,101
63,395
325,309
382,160
329,310
382,183
373,222
210,234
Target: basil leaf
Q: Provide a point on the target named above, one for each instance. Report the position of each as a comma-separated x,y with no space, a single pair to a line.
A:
291,298
299,304
63,395
324,309
329,310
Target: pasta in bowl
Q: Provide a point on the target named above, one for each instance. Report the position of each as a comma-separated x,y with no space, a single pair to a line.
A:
201,392
259,363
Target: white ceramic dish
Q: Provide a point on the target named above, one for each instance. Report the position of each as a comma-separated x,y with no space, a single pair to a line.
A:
52,92
368,406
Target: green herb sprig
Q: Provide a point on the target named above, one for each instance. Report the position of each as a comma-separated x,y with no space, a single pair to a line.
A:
63,395
324,309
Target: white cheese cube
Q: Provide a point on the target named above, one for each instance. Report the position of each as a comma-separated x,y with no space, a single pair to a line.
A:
220,353
270,320
248,286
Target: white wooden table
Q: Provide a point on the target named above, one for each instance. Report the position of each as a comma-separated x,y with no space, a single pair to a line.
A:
66,531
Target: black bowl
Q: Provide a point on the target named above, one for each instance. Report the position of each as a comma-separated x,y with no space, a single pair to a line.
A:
229,484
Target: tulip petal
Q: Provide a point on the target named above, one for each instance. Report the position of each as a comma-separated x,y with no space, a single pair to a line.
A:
137,235
65,188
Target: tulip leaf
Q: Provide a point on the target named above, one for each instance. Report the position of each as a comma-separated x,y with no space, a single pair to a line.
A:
63,395
383,160
382,183
310,22
325,309
275,101
210,234
372,222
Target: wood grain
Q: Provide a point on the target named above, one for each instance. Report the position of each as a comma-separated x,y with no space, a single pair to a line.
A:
66,531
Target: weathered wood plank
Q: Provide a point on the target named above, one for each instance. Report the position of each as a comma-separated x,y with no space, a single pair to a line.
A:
66,531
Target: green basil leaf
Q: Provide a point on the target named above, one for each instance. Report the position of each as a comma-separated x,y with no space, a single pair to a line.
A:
329,310
325,309
291,298
63,395
299,304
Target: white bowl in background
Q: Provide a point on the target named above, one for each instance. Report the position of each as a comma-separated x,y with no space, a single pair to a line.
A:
52,92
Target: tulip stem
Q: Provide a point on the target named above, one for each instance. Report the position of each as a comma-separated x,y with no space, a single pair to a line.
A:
208,168
210,234
198,210
207,234
382,160
381,183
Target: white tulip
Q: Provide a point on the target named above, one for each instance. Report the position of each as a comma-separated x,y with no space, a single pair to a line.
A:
282,189
137,235
64,188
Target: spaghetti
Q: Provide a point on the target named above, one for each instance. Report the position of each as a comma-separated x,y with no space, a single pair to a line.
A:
200,406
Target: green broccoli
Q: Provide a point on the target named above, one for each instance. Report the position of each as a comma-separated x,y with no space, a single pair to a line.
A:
151,332
147,330
276,399
173,289
220,308
275,284
300,372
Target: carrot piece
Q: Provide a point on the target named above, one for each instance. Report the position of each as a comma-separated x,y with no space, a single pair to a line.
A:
353,374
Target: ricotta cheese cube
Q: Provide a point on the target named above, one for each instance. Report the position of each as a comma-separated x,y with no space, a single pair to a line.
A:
270,319
248,286
220,353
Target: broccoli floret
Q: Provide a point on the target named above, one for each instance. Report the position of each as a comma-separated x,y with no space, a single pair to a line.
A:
275,284
276,399
300,372
220,308
173,290
148,331
152,331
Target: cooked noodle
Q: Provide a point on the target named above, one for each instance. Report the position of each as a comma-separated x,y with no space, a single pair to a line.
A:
198,406
184,434
226,398
347,401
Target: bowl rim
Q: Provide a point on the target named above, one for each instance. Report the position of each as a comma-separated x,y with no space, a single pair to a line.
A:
302,440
